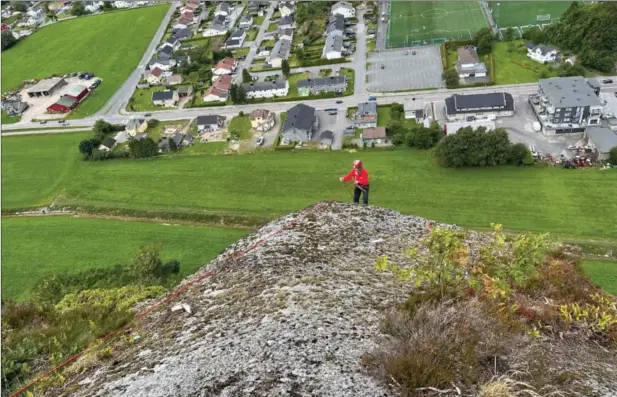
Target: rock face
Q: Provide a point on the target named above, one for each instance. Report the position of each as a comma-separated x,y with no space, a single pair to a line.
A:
292,317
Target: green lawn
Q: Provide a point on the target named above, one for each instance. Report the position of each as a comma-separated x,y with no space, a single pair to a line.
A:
36,247
209,148
34,167
110,45
603,273
251,34
156,132
383,116
242,126
420,22
273,26
514,67
241,52
293,83
142,99
521,13
6,119
258,20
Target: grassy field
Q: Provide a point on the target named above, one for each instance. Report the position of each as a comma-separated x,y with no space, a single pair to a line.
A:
242,126
110,45
521,13
427,22
34,167
35,247
514,67
6,119
603,273
142,99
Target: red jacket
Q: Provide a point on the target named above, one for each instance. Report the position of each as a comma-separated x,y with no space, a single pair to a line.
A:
360,177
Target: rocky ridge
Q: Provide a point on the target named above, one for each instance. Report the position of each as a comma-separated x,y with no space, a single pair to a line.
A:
292,317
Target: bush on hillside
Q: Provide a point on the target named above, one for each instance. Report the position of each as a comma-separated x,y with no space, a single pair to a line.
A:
143,148
612,156
421,137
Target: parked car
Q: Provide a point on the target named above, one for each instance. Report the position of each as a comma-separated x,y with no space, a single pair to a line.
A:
260,141
147,114
608,81
339,101
333,113
383,66
61,121
44,122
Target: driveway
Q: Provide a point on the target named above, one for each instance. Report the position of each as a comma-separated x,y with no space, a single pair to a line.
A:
255,44
405,71
336,124
381,38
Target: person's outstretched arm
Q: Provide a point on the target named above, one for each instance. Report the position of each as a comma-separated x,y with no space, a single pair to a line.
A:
348,177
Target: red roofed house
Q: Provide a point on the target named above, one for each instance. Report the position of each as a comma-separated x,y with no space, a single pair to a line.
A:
225,66
187,17
219,90
155,76
63,105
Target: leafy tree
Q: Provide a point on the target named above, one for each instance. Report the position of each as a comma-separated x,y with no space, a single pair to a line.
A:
395,127
520,155
612,156
484,40
535,35
218,55
424,138
311,10
152,123
508,34
102,127
8,40
143,148
86,146
172,145
237,94
450,76
300,54
285,68
78,8
205,73
108,5
396,111
566,70
469,148
246,76
19,6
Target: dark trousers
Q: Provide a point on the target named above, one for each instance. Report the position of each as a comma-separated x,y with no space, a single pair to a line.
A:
363,189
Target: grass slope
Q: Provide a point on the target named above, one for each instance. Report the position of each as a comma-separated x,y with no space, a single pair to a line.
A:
35,166
110,45
603,273
35,247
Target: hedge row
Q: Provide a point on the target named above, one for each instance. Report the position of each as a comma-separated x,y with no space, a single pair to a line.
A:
444,55
324,61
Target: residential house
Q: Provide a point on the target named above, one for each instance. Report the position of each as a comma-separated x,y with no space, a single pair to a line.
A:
93,6
235,40
366,115
219,91
226,65
187,18
541,53
263,51
266,89
165,52
14,107
262,120
183,58
210,123
568,104
246,22
300,124
163,64
333,49
479,106
286,34
122,4
601,140
168,98
337,24
177,138
327,138
468,63
188,139
36,12
415,110
216,29
173,43
175,79
136,125
287,8
179,26
191,6
182,34
223,8
286,22
320,85
108,144
185,92
343,8
280,51
375,136
122,136
155,77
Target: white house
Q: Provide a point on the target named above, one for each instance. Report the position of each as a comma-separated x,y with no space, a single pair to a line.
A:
226,65
287,8
36,12
343,8
215,30
122,4
236,39
333,49
180,26
173,43
246,22
162,64
286,34
468,63
267,89
210,123
223,9
541,53
280,51
93,6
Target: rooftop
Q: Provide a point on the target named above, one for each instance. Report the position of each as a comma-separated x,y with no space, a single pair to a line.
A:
468,55
301,117
322,81
208,120
367,108
162,95
374,133
569,92
458,103
260,114
266,85
603,138
46,84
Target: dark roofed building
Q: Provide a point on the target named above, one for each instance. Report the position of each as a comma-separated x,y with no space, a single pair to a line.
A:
366,115
327,137
300,124
210,123
461,107
108,144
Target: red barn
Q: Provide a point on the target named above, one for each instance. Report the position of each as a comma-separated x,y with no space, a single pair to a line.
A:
77,91
63,105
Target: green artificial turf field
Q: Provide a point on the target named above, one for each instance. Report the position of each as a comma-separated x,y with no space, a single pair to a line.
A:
38,246
109,45
428,22
522,13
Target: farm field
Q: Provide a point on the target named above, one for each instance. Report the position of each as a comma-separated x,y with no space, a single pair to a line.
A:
522,13
603,273
35,166
428,22
109,45
34,247
535,199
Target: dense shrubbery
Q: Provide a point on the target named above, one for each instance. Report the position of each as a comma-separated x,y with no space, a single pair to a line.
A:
143,148
69,312
414,134
469,148
479,312
612,156
89,147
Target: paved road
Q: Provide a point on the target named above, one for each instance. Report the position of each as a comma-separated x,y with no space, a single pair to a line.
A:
256,43
382,28
119,100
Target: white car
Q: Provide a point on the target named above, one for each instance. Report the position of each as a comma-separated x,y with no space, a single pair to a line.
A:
260,141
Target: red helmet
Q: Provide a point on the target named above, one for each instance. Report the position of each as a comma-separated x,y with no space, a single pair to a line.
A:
357,164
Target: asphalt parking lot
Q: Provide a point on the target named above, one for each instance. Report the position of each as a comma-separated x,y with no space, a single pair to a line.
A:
405,72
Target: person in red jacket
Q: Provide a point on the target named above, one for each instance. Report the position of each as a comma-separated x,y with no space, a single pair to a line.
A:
360,177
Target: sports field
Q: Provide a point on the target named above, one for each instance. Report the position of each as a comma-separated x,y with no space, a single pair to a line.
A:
429,22
523,13
109,45
265,185
38,246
